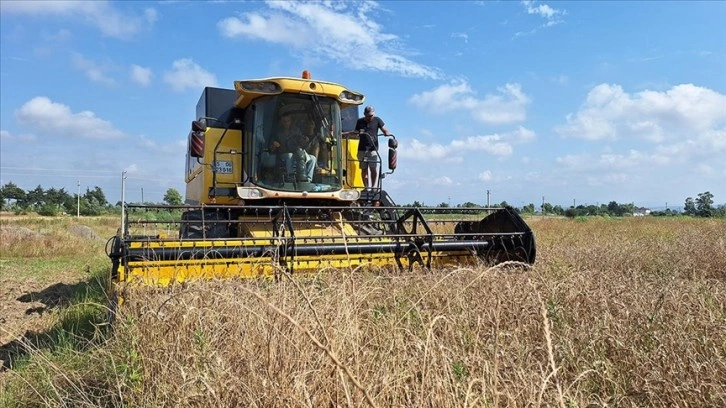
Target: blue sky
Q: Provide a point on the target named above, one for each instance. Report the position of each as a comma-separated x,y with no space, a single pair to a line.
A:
571,101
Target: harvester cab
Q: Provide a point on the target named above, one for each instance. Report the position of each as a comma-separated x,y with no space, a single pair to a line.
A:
273,185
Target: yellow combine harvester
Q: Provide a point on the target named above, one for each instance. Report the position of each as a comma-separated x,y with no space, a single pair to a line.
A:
257,207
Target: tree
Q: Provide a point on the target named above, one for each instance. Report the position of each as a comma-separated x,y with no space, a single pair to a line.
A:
593,210
468,204
11,192
547,208
443,204
96,197
528,209
57,199
172,197
34,198
704,204
689,207
614,208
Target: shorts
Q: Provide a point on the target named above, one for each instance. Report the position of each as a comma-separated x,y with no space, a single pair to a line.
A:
368,157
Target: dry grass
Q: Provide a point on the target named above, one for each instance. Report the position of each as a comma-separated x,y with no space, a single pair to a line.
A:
615,313
44,237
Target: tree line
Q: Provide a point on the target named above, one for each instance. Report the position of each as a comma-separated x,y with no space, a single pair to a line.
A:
701,206
54,201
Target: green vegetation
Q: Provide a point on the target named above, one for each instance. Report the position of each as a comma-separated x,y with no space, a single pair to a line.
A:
53,202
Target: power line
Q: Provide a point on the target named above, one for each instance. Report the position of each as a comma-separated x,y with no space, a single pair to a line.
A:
57,175
40,169
91,176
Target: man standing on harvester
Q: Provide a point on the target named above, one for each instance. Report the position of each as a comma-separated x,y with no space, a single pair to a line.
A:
368,155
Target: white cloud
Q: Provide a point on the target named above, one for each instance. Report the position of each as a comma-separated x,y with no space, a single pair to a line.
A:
56,119
614,179
485,176
24,138
506,106
132,169
706,170
344,32
605,162
463,36
498,144
141,75
443,181
91,69
175,148
680,112
100,14
59,36
713,140
560,79
553,16
186,73
420,151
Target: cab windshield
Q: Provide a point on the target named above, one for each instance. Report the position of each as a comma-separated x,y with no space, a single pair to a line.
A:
295,144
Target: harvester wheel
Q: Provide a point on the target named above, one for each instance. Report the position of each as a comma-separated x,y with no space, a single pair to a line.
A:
200,224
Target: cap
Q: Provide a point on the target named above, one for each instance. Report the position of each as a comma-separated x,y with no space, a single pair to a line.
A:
369,111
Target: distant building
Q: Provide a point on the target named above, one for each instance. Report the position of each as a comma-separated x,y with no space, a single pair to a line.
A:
641,211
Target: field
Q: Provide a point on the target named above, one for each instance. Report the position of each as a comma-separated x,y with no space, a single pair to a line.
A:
616,312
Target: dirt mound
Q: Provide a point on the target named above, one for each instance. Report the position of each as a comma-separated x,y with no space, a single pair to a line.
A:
13,231
83,231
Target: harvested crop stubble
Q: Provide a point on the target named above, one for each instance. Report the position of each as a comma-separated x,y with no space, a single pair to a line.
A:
625,313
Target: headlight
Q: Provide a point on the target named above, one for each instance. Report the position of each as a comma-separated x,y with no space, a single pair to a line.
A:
249,193
265,87
350,97
351,195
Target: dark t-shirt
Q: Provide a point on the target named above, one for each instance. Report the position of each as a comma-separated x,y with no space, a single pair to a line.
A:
372,129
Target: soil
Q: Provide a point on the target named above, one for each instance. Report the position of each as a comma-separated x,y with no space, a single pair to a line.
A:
27,310
29,307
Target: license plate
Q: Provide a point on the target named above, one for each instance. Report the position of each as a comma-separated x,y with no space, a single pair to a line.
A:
223,167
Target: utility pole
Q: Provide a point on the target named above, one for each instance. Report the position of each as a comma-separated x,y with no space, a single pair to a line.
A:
78,201
123,202
487,198
573,203
142,196
543,202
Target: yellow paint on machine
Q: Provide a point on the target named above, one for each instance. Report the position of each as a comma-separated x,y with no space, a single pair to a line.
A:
163,273
354,177
199,175
303,229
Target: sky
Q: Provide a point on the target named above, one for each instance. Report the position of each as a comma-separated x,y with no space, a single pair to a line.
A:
518,101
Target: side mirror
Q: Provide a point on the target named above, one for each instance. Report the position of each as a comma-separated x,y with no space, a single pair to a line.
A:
196,139
392,153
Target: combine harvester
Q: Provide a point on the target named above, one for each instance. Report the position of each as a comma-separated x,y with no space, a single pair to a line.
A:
254,208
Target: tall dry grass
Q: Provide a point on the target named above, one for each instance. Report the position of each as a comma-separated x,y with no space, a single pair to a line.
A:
615,313
52,237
